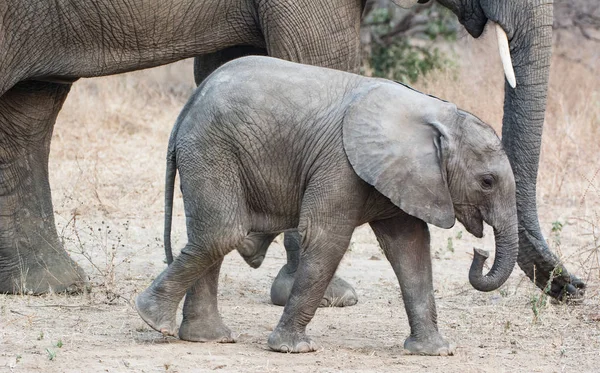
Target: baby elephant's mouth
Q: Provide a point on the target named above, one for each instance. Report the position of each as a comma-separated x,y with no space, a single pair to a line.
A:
471,218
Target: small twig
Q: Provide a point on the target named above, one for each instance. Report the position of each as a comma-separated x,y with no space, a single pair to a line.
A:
19,313
59,306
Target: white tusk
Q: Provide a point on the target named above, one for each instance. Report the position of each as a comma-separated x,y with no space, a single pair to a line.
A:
505,55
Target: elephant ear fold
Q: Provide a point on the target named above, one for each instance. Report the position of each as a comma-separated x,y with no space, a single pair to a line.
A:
393,143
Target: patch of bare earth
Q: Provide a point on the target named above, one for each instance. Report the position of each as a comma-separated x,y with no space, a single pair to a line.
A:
107,170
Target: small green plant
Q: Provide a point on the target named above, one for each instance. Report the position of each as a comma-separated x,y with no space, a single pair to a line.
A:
402,50
18,359
59,343
539,301
40,336
557,226
51,354
507,326
555,233
459,235
450,245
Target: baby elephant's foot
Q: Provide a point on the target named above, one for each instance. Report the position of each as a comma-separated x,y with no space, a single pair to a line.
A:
339,293
435,346
205,329
290,342
157,312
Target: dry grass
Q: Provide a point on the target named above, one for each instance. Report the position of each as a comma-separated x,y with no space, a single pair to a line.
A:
107,170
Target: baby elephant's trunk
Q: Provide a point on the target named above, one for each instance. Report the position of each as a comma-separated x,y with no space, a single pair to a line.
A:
507,249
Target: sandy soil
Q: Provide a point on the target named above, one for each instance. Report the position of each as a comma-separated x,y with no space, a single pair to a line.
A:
107,169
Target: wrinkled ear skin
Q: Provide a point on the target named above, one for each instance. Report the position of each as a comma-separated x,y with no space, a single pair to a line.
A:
391,144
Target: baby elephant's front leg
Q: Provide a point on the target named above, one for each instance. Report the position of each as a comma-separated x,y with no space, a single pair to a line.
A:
405,241
323,250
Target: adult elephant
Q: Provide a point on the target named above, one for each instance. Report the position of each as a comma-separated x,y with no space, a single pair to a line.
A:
46,46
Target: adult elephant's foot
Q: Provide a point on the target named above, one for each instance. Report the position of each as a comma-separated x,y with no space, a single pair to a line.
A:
158,312
207,329
433,345
41,270
545,269
284,341
32,259
339,293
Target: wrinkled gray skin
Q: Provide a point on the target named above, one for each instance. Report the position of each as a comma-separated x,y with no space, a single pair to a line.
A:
266,145
43,55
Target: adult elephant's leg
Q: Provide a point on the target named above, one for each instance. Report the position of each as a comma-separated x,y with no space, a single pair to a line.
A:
524,109
32,258
328,38
201,319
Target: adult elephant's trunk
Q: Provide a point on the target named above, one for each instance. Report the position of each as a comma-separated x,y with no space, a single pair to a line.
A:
507,247
524,109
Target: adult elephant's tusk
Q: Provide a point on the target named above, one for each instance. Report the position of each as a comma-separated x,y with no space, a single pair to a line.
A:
505,55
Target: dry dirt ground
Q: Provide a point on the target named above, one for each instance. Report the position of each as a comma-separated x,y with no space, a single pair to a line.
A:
107,169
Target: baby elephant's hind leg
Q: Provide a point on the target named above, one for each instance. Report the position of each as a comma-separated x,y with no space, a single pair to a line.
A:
157,305
201,319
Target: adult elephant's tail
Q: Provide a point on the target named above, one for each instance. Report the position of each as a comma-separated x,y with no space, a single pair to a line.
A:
169,191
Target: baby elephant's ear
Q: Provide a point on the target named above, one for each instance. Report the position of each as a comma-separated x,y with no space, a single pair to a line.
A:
391,142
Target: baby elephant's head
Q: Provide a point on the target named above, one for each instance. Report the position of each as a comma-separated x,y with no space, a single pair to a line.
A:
438,164
482,188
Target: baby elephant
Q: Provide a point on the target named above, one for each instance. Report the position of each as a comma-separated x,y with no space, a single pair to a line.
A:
266,145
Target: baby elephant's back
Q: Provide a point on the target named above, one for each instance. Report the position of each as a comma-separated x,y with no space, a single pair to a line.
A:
267,120
272,110
259,91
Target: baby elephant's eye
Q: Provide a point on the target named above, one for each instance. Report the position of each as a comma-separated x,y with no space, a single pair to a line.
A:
487,182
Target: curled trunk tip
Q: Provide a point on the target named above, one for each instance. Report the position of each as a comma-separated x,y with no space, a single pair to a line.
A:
493,280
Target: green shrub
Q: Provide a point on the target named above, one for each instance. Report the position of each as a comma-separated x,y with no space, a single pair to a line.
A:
405,47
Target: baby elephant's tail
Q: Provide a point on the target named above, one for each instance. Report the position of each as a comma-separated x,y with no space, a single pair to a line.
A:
169,191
